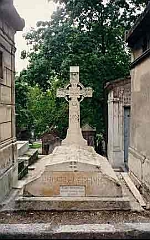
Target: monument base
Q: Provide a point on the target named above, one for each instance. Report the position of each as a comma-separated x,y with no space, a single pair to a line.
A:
73,178
74,171
71,203
74,137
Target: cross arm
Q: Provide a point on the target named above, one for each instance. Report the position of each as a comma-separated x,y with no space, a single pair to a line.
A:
87,92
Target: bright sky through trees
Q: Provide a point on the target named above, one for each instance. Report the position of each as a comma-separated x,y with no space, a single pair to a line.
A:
32,11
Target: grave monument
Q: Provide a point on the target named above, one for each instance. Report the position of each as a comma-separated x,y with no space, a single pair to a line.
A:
74,93
74,176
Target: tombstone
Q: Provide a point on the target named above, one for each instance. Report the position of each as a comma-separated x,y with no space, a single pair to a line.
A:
74,93
89,133
74,176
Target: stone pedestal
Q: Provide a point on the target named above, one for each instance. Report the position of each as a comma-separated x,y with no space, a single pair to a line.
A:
74,137
74,175
75,171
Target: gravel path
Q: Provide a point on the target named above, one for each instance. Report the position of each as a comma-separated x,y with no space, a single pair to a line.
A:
58,218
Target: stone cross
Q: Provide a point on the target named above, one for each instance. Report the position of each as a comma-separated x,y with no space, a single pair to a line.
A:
74,93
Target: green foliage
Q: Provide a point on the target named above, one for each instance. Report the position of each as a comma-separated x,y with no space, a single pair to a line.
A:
43,107
23,116
36,145
85,33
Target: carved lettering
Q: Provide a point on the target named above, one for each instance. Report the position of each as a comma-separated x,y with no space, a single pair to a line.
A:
68,191
72,180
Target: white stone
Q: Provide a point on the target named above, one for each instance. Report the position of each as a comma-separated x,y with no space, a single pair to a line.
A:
74,68
74,165
22,147
70,191
5,131
74,93
74,169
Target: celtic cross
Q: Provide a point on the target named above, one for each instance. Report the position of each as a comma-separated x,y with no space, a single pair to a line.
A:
74,93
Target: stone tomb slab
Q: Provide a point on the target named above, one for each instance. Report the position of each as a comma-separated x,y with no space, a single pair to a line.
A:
72,191
73,178
60,184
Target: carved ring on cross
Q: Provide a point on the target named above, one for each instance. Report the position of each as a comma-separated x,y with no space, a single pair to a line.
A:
82,93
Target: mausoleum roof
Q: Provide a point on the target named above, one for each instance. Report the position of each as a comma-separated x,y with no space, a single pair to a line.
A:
118,82
87,127
10,15
141,25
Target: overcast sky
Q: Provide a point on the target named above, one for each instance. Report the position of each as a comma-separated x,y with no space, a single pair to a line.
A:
32,11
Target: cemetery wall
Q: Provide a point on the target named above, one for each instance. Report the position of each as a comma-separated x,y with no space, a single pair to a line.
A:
138,39
139,151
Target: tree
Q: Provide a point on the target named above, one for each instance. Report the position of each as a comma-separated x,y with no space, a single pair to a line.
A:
43,107
23,116
85,33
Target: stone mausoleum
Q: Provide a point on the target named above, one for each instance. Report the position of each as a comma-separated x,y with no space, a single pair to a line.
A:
50,139
119,100
138,39
10,22
89,134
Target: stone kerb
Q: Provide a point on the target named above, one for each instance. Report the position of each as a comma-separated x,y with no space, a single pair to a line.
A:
22,147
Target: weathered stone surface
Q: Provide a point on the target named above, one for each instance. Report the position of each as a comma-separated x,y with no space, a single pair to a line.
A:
8,180
71,231
74,166
75,169
119,98
26,157
8,151
92,184
74,93
22,147
5,94
5,113
89,134
72,203
6,156
139,151
5,131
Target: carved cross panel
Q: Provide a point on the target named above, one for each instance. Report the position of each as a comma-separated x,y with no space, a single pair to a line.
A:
74,93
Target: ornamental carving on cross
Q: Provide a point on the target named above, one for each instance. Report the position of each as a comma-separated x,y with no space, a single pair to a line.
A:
74,93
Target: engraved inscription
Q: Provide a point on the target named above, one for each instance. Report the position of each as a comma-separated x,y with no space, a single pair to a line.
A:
72,179
72,191
69,183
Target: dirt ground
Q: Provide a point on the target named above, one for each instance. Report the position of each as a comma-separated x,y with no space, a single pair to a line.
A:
97,217
74,217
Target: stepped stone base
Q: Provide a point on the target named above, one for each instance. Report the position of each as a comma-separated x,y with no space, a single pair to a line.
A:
72,203
74,178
